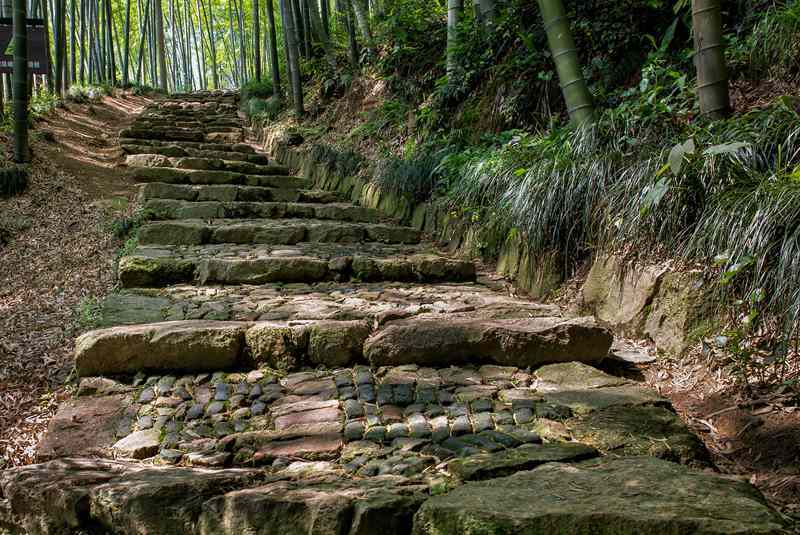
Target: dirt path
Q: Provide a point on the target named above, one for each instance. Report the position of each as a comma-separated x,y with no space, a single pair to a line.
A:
56,253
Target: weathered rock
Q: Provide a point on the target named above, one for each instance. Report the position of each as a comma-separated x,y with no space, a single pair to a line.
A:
619,294
345,507
179,345
81,495
86,426
504,463
337,343
641,430
147,160
681,313
613,496
518,342
139,445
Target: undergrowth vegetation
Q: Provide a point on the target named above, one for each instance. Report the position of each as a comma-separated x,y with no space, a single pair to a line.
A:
651,179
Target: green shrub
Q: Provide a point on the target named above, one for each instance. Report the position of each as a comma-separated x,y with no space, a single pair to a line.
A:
254,89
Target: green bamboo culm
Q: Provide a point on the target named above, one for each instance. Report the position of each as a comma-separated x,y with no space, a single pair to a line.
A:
455,9
709,59
565,55
20,93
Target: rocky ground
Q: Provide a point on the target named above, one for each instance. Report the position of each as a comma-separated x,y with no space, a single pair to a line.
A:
279,360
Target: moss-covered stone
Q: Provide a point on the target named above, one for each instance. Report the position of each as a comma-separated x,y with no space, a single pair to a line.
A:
610,497
641,430
140,271
491,465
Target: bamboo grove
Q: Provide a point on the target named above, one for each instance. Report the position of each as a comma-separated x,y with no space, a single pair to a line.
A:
185,45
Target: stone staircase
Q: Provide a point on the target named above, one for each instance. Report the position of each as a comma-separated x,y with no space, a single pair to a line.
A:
279,360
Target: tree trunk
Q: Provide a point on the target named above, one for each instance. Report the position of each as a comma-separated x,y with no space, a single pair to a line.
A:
562,47
162,53
347,19
293,53
273,51
173,37
297,26
144,31
209,18
363,23
325,14
82,39
20,96
709,59
58,74
455,10
112,66
256,42
319,30
73,41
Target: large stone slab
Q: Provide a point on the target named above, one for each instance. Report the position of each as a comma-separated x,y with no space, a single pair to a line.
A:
609,497
526,342
178,345
493,465
381,505
269,231
87,426
94,496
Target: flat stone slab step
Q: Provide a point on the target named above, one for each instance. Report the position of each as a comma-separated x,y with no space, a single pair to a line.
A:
175,209
230,264
376,303
175,150
171,175
608,497
205,164
273,231
164,134
235,193
218,147
207,345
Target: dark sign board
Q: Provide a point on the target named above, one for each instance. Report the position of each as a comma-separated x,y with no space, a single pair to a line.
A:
37,47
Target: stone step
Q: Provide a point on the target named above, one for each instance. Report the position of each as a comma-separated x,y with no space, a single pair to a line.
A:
204,164
272,232
303,263
164,134
644,495
202,121
175,150
217,147
376,303
201,345
171,175
233,193
169,209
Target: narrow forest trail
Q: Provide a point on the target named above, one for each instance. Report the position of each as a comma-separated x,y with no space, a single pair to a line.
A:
279,360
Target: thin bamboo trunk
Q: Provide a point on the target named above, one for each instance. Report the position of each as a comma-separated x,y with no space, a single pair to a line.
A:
82,38
319,30
293,53
298,26
709,59
565,55
209,18
362,19
112,64
325,14
20,96
127,51
73,41
273,51
256,41
162,56
144,31
172,35
455,10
